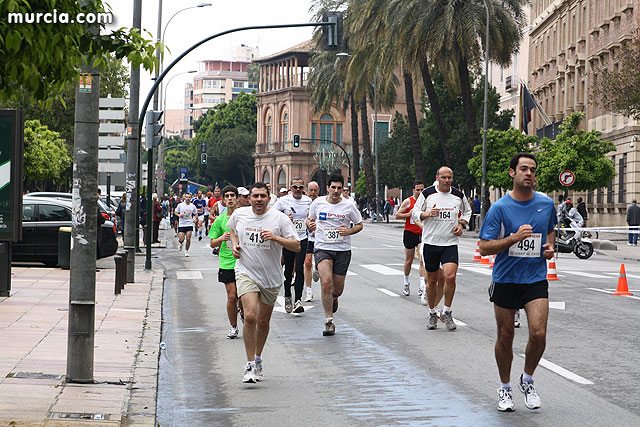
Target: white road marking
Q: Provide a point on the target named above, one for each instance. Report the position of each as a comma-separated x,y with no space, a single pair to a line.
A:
480,270
385,291
390,246
189,275
562,371
382,269
417,267
582,273
557,305
280,308
351,273
600,290
611,291
459,322
633,276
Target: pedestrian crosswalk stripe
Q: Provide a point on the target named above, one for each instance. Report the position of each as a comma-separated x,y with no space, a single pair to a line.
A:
188,275
351,273
388,292
382,269
582,273
562,371
632,276
480,270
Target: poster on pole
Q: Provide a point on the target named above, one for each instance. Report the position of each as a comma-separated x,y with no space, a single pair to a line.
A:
11,164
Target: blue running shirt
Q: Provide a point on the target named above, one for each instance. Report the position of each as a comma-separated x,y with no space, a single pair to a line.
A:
503,219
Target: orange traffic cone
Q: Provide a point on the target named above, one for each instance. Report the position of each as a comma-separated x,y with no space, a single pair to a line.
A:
485,260
476,256
492,261
623,288
552,274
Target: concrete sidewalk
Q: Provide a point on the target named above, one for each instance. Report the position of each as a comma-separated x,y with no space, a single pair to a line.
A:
33,348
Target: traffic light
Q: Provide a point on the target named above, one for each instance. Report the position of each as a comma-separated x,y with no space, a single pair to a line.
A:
203,147
203,158
333,35
154,128
296,141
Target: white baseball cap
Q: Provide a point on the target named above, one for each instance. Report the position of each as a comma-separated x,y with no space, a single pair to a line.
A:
243,191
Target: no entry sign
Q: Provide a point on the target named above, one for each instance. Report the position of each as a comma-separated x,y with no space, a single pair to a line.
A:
567,178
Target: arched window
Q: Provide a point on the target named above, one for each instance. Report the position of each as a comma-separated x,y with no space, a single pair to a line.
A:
327,128
282,179
265,177
284,127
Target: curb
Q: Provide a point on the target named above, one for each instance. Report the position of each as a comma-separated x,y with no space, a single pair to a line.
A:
140,405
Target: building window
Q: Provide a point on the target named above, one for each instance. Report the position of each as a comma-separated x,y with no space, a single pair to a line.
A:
339,133
327,129
209,99
239,84
284,129
589,197
610,187
599,194
282,179
622,170
266,177
268,132
213,84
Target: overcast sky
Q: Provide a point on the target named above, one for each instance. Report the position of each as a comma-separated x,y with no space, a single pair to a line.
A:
193,25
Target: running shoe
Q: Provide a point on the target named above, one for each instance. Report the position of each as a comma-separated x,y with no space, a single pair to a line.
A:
288,306
180,247
315,275
186,253
448,320
216,250
329,329
258,370
200,237
241,314
531,398
233,333
298,308
249,374
423,298
505,400
335,304
421,290
309,296
406,291
516,319
432,323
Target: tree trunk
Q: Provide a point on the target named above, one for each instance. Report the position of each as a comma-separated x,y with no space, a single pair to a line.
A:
366,150
355,146
414,133
467,103
435,110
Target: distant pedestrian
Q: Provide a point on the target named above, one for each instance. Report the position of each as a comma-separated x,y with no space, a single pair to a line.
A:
120,211
582,210
157,217
633,219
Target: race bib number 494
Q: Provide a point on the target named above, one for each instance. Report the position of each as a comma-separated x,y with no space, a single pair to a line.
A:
332,235
253,239
527,248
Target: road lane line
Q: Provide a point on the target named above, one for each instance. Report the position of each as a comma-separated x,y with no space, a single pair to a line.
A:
459,322
633,276
382,269
562,371
600,290
189,275
487,272
385,291
351,273
557,305
582,273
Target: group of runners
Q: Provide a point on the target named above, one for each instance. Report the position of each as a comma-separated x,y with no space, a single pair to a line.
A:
265,242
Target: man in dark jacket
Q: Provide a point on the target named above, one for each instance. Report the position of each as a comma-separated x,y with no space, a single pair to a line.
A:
582,210
633,219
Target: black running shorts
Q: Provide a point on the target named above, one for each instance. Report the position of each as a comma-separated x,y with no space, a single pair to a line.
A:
516,295
341,260
310,247
226,276
185,229
411,240
435,255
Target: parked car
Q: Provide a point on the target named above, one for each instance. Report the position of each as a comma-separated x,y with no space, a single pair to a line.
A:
41,219
109,214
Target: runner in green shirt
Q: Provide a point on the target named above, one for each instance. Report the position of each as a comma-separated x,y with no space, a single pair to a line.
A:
219,235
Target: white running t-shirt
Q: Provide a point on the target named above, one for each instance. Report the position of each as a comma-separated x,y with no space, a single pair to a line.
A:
298,209
190,210
329,217
260,259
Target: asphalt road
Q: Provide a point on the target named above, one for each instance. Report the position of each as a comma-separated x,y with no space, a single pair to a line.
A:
383,367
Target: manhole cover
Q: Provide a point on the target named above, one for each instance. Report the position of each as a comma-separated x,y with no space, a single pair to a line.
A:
78,416
34,376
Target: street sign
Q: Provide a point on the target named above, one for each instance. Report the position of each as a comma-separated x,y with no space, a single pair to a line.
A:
567,178
183,174
11,168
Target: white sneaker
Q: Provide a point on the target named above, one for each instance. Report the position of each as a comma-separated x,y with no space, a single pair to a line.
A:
505,400
309,296
516,319
180,247
315,275
233,333
259,373
249,373
531,398
423,299
406,291
288,305
421,290
186,253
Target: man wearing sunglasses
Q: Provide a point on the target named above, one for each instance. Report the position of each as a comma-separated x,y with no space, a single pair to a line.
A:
296,206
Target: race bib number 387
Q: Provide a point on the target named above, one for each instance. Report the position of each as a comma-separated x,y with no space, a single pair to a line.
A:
253,239
527,248
332,235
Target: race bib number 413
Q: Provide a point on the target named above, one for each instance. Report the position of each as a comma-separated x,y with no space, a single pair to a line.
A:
527,248
253,239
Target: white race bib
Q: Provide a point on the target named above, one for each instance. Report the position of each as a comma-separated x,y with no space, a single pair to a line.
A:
300,225
527,248
332,235
253,239
229,245
447,215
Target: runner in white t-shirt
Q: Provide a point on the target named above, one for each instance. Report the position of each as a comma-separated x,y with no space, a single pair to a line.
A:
258,235
330,217
187,215
310,270
296,206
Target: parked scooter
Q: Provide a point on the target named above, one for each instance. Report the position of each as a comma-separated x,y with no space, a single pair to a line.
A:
568,241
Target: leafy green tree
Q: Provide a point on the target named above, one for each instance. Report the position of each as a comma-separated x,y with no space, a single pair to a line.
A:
177,154
361,185
576,150
45,156
43,58
618,91
395,169
501,146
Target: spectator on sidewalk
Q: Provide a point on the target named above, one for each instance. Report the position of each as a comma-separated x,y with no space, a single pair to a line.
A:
633,219
157,217
582,210
120,211
472,204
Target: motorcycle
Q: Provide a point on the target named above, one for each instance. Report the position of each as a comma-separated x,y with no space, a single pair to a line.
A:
568,241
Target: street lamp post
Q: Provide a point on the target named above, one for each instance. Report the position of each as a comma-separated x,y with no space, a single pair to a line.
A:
483,188
375,139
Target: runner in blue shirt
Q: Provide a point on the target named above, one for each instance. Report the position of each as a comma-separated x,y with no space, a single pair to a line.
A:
200,202
519,228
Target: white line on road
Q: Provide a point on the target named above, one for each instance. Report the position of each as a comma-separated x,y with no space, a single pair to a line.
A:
382,269
459,322
605,291
188,275
385,291
480,270
633,276
600,290
557,305
562,372
582,273
351,273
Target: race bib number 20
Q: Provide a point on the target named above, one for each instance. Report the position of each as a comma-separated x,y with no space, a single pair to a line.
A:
253,239
527,248
300,225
